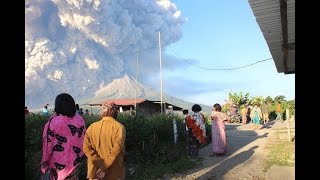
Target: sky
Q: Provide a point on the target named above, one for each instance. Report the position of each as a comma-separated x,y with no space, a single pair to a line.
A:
80,46
223,34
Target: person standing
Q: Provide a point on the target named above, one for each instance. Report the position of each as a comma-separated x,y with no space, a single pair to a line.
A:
26,112
265,112
278,109
45,111
87,113
243,113
62,141
219,138
185,113
81,112
77,108
196,134
104,146
256,116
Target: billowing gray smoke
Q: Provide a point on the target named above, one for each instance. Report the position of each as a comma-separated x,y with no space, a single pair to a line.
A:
78,46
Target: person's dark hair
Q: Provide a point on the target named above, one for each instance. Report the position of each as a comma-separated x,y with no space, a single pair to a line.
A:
25,107
196,108
77,107
185,111
65,105
217,107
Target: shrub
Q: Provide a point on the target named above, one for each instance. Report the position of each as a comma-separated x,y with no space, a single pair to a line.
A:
149,140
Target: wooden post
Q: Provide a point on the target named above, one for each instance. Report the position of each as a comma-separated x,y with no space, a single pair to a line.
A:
288,120
175,134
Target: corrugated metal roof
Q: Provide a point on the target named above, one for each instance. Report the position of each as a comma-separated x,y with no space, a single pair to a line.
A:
131,102
276,19
124,102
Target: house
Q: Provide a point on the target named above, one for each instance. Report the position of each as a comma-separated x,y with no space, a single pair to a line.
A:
276,20
145,105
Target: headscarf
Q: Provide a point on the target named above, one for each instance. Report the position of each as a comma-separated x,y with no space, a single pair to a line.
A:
109,109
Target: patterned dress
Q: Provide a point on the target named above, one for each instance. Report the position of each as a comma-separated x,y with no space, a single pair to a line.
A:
219,138
195,133
62,146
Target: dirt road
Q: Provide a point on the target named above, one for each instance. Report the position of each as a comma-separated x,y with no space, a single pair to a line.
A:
244,158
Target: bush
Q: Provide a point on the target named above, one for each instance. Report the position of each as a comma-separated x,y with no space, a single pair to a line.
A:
149,140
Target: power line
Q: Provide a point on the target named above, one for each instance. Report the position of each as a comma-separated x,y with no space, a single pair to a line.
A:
220,69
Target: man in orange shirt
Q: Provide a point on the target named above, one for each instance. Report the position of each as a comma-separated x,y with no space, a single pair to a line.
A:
279,115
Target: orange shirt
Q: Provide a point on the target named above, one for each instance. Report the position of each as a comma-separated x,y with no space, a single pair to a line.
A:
278,108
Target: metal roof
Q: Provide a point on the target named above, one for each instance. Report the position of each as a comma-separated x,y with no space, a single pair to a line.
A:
276,19
119,102
131,102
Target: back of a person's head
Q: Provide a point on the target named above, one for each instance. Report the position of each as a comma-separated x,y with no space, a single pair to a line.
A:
65,105
196,108
109,110
217,107
185,111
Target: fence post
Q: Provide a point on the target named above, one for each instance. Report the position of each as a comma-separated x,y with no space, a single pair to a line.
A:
288,120
175,135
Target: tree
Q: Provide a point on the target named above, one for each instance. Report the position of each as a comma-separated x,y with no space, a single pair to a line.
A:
279,98
268,99
238,99
258,100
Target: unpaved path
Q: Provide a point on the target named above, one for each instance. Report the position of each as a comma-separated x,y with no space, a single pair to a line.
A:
244,159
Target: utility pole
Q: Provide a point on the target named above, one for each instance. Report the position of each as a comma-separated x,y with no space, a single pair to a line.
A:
160,72
135,99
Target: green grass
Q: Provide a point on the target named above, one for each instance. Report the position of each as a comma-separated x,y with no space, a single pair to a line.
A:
158,171
280,152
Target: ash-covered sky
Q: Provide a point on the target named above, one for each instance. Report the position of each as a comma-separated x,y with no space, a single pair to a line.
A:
79,46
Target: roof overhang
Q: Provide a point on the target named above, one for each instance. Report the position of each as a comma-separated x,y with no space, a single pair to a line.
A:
276,19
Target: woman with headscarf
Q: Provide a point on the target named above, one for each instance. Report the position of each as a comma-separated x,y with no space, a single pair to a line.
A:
104,146
62,143
219,138
256,116
195,122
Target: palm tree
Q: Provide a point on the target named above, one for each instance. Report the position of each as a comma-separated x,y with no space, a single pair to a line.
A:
238,99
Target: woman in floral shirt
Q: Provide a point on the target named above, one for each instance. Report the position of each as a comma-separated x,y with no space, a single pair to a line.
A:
63,137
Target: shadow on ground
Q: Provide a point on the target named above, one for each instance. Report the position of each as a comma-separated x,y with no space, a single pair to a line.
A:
216,167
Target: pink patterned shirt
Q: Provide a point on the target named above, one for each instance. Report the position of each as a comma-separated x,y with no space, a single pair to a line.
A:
62,145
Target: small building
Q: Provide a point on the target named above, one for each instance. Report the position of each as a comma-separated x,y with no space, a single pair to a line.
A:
145,105
276,20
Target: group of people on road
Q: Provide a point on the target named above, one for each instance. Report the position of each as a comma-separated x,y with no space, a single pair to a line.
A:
67,142
196,130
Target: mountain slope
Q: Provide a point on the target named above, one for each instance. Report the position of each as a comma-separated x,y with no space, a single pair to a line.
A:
125,88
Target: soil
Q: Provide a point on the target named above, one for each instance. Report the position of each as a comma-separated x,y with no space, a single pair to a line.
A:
244,159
